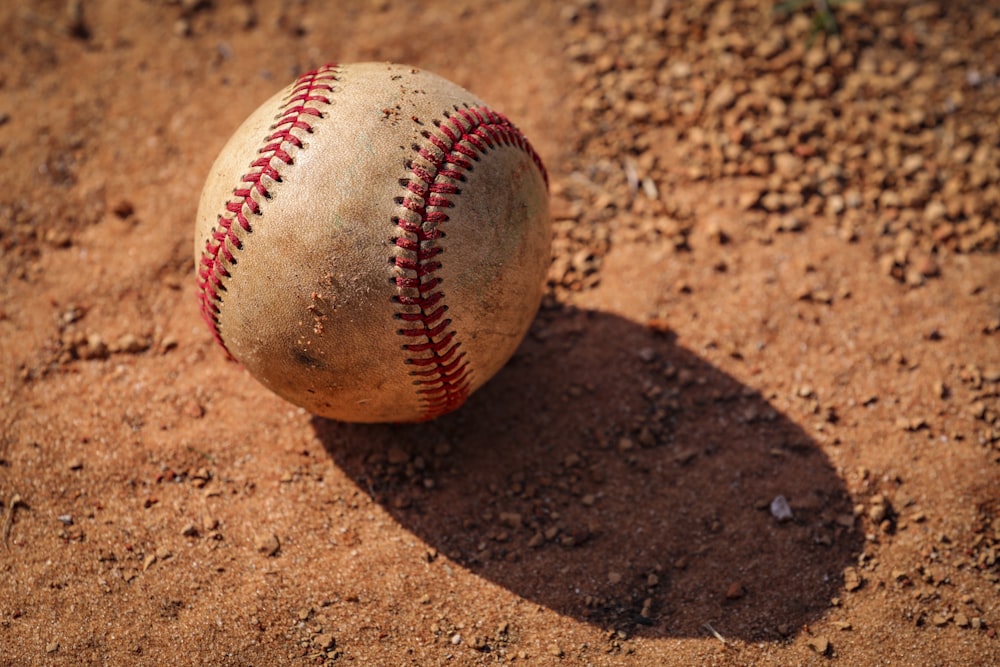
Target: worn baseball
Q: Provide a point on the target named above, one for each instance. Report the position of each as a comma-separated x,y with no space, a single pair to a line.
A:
372,243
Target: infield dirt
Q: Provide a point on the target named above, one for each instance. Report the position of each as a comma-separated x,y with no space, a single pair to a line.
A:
774,276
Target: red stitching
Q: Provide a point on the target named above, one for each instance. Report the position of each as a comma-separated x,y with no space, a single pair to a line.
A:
442,371
293,116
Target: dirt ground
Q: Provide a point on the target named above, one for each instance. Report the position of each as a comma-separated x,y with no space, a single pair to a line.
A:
774,273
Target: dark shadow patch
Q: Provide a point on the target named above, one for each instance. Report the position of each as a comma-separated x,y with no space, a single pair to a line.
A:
617,478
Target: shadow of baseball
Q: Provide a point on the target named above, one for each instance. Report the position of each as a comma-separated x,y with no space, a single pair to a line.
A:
617,478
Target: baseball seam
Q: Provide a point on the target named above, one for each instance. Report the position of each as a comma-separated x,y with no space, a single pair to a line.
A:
442,372
296,116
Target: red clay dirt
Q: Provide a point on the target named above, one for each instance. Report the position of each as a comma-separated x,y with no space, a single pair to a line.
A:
774,276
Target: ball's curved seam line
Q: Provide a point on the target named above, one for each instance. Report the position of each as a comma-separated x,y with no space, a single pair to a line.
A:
442,372
298,112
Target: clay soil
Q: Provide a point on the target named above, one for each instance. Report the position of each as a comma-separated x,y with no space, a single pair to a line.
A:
774,276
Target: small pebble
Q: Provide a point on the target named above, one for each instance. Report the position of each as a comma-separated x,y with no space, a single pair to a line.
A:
268,544
130,344
852,580
819,644
397,455
647,607
780,509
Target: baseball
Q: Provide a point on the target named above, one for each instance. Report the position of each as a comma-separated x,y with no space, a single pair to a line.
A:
372,243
